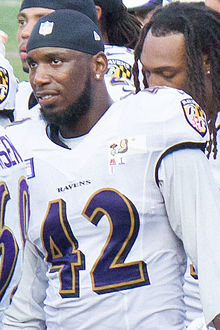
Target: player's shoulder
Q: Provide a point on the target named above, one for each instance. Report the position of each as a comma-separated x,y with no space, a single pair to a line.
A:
160,94
2,131
167,112
23,94
8,85
19,124
119,77
10,156
29,135
24,86
27,128
111,50
154,100
119,53
5,63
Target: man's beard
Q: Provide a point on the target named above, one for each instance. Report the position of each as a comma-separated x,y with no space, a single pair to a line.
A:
71,115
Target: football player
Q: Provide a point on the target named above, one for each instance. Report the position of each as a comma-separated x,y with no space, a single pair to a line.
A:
115,20
180,48
29,13
14,215
120,31
14,195
118,194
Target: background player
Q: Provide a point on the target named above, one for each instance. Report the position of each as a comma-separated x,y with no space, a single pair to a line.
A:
184,66
170,58
14,194
14,213
118,187
120,31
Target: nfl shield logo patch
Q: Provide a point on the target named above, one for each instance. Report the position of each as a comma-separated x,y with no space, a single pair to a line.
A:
195,116
4,84
46,28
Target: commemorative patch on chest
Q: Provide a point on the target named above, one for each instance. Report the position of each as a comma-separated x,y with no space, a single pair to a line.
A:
4,84
121,149
195,116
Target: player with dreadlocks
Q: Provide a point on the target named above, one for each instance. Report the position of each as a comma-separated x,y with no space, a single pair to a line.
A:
180,47
120,31
195,64
117,25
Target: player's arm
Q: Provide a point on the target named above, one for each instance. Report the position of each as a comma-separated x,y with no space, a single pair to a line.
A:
192,203
26,310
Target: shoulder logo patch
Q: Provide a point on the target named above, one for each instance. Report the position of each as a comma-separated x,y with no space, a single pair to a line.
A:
195,116
4,84
119,69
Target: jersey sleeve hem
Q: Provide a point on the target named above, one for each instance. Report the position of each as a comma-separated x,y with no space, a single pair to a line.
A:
179,146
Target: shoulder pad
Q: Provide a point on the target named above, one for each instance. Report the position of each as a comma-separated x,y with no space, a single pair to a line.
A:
178,116
166,116
8,85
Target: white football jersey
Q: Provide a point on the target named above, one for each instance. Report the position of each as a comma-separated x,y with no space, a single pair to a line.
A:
14,201
191,295
8,89
22,100
107,226
119,77
191,286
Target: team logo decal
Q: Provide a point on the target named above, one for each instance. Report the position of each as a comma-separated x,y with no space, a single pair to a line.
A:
119,69
195,116
46,28
96,36
4,84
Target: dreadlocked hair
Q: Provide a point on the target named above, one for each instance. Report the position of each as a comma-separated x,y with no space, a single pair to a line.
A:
200,26
121,27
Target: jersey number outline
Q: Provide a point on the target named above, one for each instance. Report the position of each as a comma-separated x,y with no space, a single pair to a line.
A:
110,272
62,254
8,244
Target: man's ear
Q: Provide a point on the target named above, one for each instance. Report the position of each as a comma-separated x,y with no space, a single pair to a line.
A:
99,66
98,12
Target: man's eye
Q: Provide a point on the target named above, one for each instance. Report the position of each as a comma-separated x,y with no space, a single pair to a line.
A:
168,75
56,61
32,65
21,22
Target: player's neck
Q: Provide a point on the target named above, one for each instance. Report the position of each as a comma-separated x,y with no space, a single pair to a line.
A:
100,105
